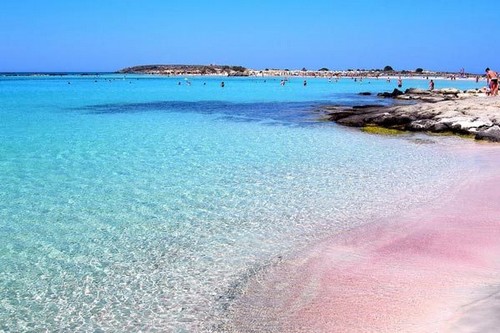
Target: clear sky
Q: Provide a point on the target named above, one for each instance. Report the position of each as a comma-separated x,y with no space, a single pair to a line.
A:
106,35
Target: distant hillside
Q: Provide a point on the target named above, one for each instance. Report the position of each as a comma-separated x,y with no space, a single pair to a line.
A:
186,70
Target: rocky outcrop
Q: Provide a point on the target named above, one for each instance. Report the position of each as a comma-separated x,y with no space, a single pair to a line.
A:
450,110
434,96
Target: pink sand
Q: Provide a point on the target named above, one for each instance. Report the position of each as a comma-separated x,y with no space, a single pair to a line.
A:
428,270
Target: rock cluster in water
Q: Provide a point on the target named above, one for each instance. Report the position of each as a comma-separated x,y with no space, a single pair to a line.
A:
446,110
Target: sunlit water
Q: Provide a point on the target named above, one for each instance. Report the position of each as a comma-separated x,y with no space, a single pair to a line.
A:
138,203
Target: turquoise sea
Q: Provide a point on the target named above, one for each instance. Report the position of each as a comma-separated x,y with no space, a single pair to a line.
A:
143,203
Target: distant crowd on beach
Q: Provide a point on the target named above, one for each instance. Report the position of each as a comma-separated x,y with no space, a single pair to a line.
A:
491,81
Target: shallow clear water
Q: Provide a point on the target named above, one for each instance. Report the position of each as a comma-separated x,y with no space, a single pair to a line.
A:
131,203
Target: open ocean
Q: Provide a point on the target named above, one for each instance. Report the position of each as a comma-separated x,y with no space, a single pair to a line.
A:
135,203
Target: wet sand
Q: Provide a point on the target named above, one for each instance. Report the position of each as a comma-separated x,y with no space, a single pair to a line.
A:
434,269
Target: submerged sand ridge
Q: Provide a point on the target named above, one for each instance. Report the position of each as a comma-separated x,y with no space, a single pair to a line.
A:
434,269
447,110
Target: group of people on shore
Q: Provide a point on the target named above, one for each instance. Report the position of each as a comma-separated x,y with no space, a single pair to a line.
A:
491,81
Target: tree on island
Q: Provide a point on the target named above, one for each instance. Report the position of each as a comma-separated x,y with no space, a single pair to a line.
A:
388,69
324,69
304,69
238,68
419,70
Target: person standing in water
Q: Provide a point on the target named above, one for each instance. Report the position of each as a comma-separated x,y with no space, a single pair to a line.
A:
431,85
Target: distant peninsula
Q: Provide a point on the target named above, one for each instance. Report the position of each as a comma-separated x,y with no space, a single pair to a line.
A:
227,70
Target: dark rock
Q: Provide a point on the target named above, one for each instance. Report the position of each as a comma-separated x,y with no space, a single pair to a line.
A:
397,92
384,94
422,125
355,107
491,134
439,127
394,93
341,114
355,120
393,120
458,128
365,93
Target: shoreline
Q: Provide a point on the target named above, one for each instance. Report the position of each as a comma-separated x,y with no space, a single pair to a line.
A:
432,269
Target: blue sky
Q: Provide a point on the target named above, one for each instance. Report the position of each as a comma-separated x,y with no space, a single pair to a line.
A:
106,35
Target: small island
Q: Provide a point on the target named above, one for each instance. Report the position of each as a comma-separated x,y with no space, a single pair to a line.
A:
223,70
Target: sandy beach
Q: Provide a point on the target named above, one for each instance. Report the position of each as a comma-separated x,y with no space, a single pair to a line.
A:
433,269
